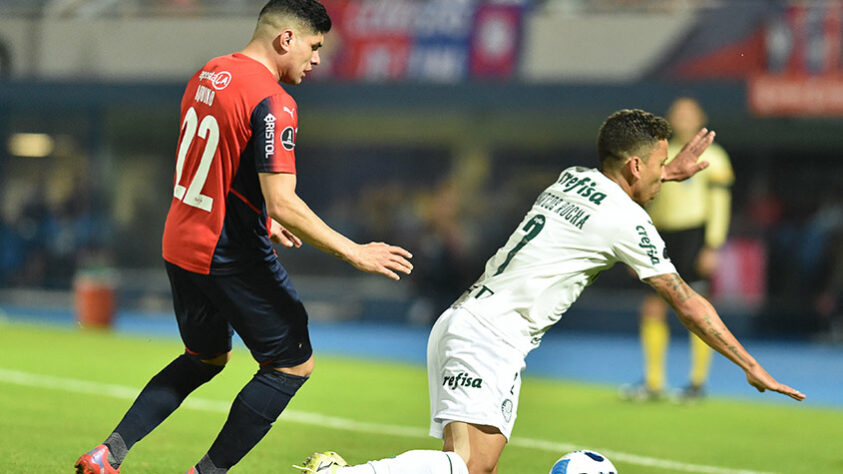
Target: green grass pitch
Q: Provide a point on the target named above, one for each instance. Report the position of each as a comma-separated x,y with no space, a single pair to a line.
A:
63,390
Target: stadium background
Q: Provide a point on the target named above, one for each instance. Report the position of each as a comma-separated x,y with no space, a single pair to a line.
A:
431,124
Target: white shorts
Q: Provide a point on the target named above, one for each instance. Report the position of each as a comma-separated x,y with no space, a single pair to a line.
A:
473,375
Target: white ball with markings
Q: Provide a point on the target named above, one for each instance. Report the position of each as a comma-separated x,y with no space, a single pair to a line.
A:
583,462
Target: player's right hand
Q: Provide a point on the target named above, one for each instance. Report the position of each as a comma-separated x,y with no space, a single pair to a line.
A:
385,259
685,164
761,380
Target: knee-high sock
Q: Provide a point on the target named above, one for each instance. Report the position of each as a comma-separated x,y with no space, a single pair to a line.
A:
252,414
700,360
161,396
655,336
413,462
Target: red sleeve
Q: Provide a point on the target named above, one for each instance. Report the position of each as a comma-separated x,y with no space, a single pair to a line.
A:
274,126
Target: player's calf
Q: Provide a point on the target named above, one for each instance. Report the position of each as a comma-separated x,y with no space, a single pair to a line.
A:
252,414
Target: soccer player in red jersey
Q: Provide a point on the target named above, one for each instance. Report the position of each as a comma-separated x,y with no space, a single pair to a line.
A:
234,194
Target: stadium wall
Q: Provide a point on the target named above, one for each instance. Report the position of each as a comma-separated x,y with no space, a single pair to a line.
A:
556,47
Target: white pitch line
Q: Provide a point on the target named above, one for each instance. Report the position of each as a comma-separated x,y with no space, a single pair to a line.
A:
315,419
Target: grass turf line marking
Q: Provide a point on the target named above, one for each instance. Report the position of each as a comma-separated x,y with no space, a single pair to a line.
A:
203,404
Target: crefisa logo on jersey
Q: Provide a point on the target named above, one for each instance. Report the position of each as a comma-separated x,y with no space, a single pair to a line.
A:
647,245
584,186
269,136
219,80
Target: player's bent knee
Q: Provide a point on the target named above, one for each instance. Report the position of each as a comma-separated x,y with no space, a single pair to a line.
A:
301,370
205,371
219,360
270,396
480,466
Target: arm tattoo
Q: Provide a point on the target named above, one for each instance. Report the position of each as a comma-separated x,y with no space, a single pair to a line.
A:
674,289
673,283
716,334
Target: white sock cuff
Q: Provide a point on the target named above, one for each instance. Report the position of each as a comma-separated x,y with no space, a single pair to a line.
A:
457,464
419,461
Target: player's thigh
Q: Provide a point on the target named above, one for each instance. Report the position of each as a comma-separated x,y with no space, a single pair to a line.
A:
203,330
480,446
264,308
474,376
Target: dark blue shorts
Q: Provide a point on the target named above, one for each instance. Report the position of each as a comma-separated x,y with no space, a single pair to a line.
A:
260,304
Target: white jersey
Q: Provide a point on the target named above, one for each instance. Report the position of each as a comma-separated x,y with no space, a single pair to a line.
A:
578,227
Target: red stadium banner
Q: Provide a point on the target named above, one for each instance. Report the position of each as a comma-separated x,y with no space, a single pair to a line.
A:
374,39
771,95
803,75
422,40
496,41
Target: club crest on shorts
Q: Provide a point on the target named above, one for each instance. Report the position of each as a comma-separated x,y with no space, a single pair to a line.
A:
506,410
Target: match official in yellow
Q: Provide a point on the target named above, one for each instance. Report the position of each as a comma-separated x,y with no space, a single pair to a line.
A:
693,218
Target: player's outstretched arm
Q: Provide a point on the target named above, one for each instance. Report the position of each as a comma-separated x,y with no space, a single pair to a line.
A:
285,206
685,165
700,317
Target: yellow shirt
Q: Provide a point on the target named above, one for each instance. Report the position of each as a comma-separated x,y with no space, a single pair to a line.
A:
702,200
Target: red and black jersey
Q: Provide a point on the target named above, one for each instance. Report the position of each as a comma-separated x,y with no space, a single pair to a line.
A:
236,121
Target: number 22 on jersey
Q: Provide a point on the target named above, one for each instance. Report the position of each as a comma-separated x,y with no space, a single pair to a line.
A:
208,130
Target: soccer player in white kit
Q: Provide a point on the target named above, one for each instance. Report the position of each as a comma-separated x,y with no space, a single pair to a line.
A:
579,226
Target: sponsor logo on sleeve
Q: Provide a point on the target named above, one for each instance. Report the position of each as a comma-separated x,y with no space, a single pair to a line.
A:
647,245
269,136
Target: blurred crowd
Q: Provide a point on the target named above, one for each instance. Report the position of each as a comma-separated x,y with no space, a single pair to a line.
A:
49,230
54,225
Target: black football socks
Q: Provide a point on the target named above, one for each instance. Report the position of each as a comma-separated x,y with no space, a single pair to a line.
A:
161,396
252,414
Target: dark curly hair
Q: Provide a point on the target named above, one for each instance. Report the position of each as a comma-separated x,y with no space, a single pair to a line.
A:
311,13
629,132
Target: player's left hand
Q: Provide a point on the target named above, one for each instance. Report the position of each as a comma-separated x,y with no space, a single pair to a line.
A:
279,234
685,165
707,261
761,380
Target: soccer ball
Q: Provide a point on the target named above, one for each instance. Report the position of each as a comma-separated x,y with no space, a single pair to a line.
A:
583,462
